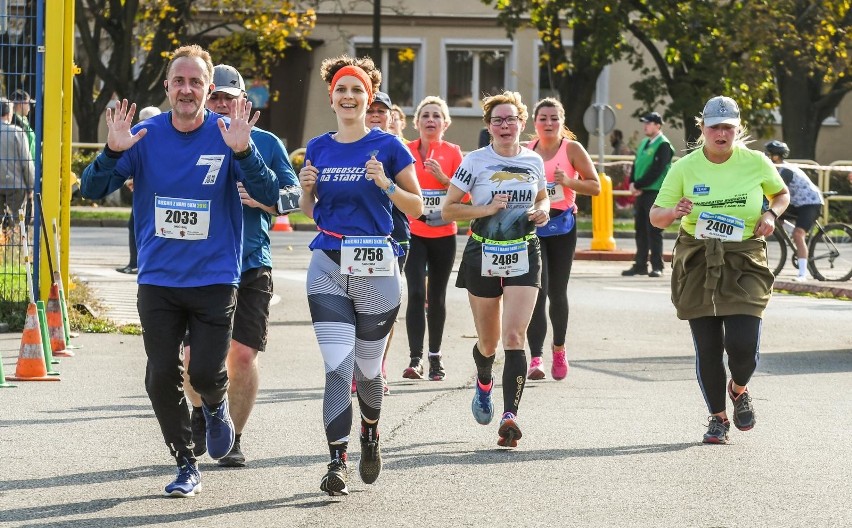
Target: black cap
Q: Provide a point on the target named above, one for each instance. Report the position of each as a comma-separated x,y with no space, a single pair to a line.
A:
382,97
653,117
21,96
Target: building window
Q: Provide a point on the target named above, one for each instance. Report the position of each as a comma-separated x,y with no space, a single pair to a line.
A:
400,64
475,71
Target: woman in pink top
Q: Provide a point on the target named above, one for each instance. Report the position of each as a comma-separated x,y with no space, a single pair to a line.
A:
433,241
569,171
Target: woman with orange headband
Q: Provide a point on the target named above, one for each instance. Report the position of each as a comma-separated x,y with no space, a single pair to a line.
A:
350,181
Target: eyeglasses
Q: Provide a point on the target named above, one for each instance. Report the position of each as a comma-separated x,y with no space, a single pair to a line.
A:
498,121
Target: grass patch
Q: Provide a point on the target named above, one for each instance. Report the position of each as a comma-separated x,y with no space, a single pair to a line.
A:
84,309
100,213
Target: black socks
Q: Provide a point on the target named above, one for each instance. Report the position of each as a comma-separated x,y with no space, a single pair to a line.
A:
483,366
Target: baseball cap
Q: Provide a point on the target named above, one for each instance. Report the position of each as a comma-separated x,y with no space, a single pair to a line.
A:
228,80
382,97
21,96
721,110
652,117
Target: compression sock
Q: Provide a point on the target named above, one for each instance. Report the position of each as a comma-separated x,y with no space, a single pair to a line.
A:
483,366
514,375
338,450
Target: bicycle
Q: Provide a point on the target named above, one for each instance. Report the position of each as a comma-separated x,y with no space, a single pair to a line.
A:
829,249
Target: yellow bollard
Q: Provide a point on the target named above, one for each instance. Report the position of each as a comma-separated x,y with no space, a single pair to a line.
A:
602,225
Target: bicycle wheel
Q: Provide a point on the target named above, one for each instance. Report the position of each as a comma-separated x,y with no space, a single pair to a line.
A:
830,253
776,252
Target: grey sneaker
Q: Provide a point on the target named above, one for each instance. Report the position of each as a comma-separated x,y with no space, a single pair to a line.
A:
717,431
744,418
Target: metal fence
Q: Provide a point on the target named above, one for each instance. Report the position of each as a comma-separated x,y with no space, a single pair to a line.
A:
21,27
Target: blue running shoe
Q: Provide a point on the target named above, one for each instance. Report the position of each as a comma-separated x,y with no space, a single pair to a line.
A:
187,483
220,430
482,406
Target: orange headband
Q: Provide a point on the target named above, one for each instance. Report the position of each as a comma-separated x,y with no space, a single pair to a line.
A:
358,73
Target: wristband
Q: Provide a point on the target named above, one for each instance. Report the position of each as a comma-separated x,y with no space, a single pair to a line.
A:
390,190
243,154
773,213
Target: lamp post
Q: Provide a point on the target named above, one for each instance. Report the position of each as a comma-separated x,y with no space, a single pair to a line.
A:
377,32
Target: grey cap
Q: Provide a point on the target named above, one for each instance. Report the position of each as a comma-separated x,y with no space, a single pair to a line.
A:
228,80
382,97
721,110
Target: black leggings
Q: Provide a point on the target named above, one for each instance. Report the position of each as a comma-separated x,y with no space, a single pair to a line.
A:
432,257
739,336
557,257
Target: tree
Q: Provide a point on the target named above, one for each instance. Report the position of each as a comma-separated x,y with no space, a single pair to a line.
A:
597,31
812,66
126,45
707,49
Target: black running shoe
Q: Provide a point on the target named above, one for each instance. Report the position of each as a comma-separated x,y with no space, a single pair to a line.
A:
717,431
744,418
370,464
334,482
234,458
414,370
635,270
199,432
436,368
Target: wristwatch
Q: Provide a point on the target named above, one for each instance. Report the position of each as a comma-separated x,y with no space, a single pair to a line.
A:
390,190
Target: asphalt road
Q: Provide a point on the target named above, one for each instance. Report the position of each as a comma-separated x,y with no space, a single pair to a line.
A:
615,444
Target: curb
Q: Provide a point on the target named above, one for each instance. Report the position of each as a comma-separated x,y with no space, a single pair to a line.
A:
816,288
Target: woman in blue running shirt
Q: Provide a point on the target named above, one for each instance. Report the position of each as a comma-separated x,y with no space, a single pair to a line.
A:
350,181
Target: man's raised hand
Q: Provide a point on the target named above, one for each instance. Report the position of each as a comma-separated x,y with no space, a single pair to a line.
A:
119,120
237,134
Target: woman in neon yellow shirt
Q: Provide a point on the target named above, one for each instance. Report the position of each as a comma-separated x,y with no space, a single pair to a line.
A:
721,282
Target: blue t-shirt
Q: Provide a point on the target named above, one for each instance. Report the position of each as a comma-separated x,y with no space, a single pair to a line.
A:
195,165
257,222
347,202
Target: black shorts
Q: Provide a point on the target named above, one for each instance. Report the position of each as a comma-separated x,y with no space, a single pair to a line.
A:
251,318
805,215
470,271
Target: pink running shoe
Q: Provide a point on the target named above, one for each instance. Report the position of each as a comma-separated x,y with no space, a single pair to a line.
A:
536,372
559,369
354,387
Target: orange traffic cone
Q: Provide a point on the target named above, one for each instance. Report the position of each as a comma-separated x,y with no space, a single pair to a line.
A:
31,365
55,326
282,223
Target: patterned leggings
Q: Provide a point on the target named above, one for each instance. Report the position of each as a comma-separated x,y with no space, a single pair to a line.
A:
352,317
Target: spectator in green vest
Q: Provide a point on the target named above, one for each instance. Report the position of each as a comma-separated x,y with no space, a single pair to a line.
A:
22,105
653,160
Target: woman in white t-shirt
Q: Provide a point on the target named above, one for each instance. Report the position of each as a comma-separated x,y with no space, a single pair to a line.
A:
502,258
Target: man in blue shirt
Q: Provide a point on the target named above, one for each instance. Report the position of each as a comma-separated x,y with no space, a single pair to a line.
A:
251,319
185,166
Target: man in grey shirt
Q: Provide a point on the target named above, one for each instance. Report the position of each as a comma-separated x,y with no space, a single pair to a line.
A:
17,170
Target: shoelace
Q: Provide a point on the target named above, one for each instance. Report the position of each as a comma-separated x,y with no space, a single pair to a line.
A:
715,427
185,474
